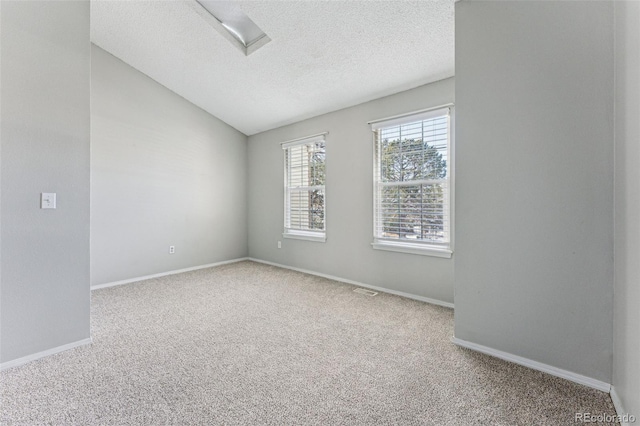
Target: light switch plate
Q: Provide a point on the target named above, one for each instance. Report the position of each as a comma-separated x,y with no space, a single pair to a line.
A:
48,200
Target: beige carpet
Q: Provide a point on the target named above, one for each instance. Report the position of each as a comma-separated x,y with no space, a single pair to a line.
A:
251,344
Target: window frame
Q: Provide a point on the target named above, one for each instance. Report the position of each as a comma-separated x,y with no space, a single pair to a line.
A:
445,249
303,234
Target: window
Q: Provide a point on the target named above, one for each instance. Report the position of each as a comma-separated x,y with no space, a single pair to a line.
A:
304,182
412,183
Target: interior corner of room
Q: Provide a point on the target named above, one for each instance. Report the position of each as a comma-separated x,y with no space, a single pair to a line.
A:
151,181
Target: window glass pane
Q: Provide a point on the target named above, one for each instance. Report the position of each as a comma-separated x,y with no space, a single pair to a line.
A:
390,153
316,209
414,151
316,165
434,213
298,206
414,212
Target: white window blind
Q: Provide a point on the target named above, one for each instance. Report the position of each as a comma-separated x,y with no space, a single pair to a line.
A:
412,197
304,210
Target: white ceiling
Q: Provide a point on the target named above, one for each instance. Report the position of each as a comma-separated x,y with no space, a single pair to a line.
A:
323,56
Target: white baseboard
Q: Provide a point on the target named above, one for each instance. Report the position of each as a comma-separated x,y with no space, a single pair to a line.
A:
554,371
52,351
163,274
359,284
617,402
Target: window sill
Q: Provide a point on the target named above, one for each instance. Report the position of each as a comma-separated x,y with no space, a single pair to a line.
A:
307,236
413,249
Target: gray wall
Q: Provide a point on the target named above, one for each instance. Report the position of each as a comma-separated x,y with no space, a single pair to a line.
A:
163,172
534,194
45,148
347,252
626,368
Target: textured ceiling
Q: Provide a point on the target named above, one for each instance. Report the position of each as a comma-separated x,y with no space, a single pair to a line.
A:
323,56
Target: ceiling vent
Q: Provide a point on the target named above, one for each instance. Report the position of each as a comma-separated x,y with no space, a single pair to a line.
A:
230,21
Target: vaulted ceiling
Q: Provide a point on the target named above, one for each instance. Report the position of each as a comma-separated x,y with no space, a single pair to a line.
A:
323,55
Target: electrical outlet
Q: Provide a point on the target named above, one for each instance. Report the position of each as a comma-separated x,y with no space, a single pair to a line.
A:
48,200
172,249
279,244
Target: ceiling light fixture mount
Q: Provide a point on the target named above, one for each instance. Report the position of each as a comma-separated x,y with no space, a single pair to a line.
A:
229,20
